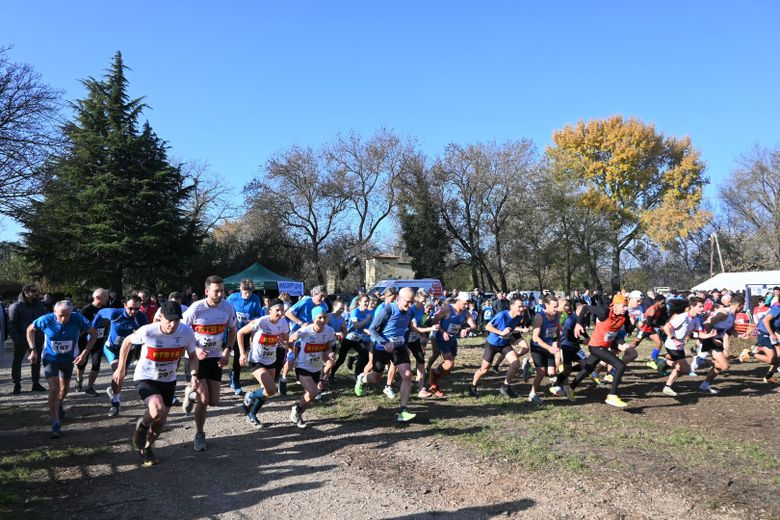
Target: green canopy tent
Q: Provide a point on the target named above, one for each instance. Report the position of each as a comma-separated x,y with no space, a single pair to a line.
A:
265,280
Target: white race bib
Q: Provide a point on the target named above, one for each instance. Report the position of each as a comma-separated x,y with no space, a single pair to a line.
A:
62,347
453,329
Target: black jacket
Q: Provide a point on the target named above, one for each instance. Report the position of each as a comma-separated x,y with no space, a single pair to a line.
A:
21,314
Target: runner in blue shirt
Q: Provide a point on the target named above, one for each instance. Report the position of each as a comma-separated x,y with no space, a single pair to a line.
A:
359,320
124,322
248,308
451,319
768,343
61,330
499,341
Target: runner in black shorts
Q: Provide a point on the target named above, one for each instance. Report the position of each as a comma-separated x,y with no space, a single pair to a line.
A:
722,321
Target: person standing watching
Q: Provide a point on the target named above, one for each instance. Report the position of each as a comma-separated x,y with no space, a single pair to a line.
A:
24,311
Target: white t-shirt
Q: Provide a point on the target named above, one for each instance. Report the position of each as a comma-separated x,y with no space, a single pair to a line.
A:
160,352
313,344
681,325
266,336
210,325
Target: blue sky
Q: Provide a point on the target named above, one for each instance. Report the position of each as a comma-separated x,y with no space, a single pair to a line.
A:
233,83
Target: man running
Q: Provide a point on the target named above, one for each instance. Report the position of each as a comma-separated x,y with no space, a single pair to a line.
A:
209,318
389,330
653,319
499,341
679,327
722,321
356,339
268,334
247,306
544,344
99,301
123,322
300,315
314,344
573,333
418,341
450,320
61,330
768,342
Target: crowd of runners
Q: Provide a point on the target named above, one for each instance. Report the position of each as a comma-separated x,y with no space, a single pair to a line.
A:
394,340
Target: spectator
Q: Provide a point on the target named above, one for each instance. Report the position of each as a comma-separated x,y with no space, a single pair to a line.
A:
23,312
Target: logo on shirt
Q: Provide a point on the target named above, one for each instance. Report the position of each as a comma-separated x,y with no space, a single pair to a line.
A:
161,355
209,330
315,347
267,340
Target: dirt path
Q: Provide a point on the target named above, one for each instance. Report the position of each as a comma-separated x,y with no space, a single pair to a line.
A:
367,467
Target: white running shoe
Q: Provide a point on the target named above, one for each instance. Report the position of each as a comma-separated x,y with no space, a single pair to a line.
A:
668,391
389,392
706,387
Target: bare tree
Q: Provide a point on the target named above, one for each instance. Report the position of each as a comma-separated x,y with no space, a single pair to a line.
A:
212,200
29,133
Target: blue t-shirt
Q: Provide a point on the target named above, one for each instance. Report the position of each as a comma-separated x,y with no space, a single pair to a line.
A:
452,324
390,325
246,309
568,339
358,316
61,342
335,321
774,311
122,325
501,321
302,310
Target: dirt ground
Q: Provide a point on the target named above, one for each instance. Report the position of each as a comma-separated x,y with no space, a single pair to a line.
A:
695,456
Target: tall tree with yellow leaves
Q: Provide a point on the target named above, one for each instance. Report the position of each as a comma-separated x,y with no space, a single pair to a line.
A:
643,182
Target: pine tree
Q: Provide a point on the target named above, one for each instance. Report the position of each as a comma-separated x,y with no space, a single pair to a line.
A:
113,212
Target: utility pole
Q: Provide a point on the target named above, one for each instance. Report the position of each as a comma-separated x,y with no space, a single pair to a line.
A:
715,244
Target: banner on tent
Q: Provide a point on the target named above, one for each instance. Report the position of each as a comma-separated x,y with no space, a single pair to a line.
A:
292,288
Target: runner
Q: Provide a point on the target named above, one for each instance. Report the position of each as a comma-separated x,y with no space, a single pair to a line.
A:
99,301
653,319
678,329
314,344
247,307
544,344
499,341
418,340
162,345
123,322
573,333
61,330
300,315
339,325
722,321
450,319
209,319
389,331
356,339
609,321
768,342
268,334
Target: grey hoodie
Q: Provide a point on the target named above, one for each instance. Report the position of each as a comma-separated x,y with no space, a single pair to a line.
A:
21,314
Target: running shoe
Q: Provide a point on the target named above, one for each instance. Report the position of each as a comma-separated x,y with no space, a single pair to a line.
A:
652,364
668,391
608,378
79,386
149,458
535,399
36,387
569,391
744,356
17,389
506,391
55,430
200,441
389,392
296,418
247,404
190,397
139,435
706,387
496,369
90,391
614,400
114,410
282,387
238,391
771,380
595,378
110,393
424,393
557,391
404,416
473,391
254,421
437,392
359,390
433,381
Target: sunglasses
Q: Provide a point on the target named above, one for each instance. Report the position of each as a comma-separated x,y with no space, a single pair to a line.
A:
133,308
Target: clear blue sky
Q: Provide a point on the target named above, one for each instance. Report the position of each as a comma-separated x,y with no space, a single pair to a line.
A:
232,83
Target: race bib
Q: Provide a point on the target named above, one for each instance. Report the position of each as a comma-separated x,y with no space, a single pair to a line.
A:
581,354
242,317
164,373
453,329
313,359
353,336
210,345
100,333
397,341
267,353
62,347
551,332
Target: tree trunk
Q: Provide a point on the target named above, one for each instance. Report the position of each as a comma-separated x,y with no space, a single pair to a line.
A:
615,280
474,274
501,273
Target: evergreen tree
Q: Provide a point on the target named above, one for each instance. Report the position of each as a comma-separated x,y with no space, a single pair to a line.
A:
114,212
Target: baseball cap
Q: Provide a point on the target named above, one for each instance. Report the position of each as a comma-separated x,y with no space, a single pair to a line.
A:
170,310
635,295
618,299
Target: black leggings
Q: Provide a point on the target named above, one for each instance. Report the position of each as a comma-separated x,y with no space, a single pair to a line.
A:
346,346
236,365
601,354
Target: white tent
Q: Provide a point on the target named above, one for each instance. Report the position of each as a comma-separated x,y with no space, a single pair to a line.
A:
741,281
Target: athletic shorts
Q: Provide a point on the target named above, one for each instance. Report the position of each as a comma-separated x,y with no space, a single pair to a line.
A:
416,349
675,354
572,355
763,340
448,347
399,356
209,369
149,387
95,355
711,345
542,357
112,353
258,366
57,369
300,372
490,351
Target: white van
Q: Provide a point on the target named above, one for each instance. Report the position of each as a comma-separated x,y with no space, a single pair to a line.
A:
432,285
